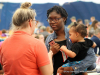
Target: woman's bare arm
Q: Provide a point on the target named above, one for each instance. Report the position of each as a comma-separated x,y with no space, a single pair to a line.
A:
48,69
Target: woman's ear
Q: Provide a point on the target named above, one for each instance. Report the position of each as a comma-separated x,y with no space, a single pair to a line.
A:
30,22
64,19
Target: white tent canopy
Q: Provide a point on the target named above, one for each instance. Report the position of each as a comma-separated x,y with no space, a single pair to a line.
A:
48,1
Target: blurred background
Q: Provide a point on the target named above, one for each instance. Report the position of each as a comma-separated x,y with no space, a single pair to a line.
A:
81,9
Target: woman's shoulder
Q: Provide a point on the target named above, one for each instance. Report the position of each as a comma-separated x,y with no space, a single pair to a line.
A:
33,39
50,37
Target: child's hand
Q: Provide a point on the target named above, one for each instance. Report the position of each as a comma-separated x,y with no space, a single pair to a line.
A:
63,48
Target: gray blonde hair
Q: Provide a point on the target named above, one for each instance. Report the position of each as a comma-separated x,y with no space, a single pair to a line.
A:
22,15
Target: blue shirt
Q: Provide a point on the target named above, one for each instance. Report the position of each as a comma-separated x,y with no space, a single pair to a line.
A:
90,23
97,41
85,63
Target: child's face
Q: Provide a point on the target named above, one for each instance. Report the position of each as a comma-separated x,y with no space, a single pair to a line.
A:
73,35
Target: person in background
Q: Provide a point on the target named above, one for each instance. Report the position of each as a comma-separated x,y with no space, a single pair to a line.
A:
73,19
21,53
90,35
40,37
79,21
36,36
48,29
43,31
93,26
36,31
99,24
4,35
92,19
51,31
96,39
86,21
57,17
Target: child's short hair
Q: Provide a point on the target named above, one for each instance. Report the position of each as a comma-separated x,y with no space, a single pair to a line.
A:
80,28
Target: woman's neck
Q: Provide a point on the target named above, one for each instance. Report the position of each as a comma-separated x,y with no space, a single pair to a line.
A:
60,32
25,30
60,35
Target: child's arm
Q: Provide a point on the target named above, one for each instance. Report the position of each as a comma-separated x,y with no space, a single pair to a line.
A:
70,53
94,45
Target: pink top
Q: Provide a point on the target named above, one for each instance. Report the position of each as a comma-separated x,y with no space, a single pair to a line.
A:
22,54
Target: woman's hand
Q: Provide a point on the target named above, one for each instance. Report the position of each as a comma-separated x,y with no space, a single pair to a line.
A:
65,70
55,48
50,54
60,70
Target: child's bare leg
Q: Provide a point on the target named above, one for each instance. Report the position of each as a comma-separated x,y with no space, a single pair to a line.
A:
85,73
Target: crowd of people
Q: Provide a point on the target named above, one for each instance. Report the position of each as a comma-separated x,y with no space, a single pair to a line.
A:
31,48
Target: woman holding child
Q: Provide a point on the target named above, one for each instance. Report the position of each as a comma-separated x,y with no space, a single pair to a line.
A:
57,17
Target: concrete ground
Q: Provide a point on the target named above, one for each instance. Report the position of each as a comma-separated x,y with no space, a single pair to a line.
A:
95,73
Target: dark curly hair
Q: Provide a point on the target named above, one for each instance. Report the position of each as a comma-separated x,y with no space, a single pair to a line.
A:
80,28
60,10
